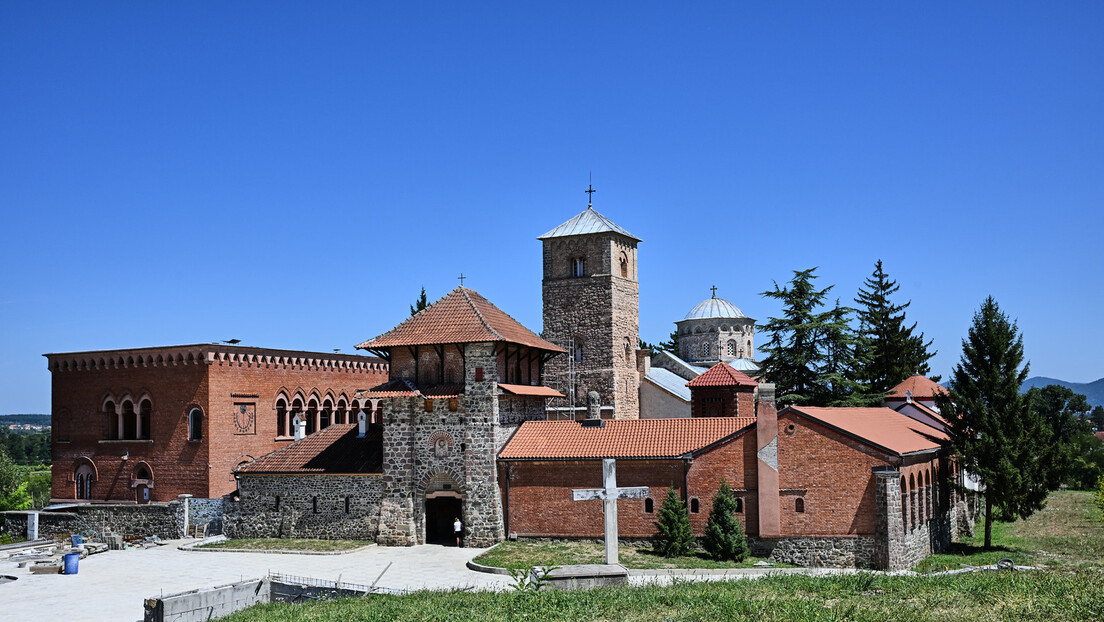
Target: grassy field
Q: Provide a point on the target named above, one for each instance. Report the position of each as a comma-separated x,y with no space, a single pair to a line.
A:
527,554
980,597
1066,535
285,544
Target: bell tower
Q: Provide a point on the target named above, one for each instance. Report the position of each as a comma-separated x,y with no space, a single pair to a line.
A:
592,309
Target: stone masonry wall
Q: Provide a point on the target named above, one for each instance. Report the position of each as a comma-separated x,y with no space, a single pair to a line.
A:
831,552
155,519
308,506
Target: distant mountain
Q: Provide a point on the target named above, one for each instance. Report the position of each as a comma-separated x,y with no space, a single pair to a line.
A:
6,420
1093,391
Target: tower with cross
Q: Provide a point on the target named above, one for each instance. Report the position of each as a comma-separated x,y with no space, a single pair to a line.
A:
591,308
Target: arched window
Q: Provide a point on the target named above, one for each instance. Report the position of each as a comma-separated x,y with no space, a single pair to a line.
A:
129,428
731,348
912,502
312,416
282,426
695,506
628,349
705,349
111,422
576,350
325,416
749,351
578,266
799,505
296,411
649,506
904,503
145,419
84,476
195,424
341,414
624,261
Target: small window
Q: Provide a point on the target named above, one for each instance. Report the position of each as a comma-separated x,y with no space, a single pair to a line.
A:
576,352
624,261
314,504
695,507
739,505
649,506
347,503
705,349
732,348
578,267
195,425
799,505
276,503
429,406
454,404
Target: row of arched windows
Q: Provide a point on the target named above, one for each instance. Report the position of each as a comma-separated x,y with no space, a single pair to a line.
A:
920,498
319,415
731,349
125,422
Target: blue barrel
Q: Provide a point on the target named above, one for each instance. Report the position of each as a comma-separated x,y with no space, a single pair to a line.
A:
77,539
71,560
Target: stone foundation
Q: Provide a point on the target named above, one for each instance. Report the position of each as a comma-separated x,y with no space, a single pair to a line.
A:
325,507
829,552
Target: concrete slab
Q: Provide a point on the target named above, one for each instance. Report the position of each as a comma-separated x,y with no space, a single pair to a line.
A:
113,585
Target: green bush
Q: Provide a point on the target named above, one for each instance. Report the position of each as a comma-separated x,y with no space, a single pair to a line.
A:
724,535
673,536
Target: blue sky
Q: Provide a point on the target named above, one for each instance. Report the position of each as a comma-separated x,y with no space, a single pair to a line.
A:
290,174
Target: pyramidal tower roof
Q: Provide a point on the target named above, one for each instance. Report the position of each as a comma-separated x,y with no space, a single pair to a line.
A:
586,222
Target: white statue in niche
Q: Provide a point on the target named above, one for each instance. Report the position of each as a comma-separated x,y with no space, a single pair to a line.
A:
440,448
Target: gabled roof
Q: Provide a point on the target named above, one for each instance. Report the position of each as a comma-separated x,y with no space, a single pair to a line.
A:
623,439
335,449
921,388
670,382
927,410
461,316
586,222
884,428
722,375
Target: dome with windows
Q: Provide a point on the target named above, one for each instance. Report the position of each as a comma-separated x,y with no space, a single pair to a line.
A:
714,308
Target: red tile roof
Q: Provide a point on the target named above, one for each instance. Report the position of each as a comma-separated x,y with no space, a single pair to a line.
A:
921,388
462,316
626,439
1099,435
882,427
401,387
335,449
525,389
722,375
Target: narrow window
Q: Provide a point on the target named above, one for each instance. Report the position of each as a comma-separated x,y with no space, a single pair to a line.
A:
145,416
314,504
195,425
429,406
739,505
578,267
276,503
705,349
282,419
347,498
649,506
694,506
799,505
732,348
624,266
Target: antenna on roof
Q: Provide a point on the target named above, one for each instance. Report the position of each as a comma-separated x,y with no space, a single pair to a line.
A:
232,341
590,192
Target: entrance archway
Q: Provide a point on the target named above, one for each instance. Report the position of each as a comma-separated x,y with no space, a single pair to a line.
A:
441,510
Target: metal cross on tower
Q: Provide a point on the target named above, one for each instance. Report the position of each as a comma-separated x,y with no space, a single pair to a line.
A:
714,288
609,495
462,277
590,195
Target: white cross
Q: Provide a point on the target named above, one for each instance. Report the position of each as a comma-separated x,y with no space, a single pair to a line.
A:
609,495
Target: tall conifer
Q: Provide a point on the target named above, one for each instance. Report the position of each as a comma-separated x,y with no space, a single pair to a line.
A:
1001,440
889,349
673,536
724,535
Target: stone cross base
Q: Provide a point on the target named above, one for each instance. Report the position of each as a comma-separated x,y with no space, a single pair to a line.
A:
587,576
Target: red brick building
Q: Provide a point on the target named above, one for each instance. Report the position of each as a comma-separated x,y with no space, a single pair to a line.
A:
148,424
722,392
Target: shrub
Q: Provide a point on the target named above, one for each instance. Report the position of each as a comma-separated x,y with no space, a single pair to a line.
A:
673,536
724,535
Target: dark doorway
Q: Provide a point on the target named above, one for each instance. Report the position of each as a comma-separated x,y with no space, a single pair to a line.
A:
440,513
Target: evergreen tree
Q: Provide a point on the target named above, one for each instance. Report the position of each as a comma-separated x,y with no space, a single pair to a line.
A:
672,343
419,304
1000,439
724,535
890,350
811,352
673,535
1098,417
1062,410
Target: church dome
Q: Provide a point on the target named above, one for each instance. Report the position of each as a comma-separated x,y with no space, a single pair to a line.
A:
714,308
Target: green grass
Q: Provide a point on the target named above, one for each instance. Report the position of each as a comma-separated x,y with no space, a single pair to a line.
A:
980,597
1066,535
285,544
527,554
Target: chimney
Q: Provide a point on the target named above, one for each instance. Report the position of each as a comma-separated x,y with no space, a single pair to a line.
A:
362,423
766,463
594,405
300,427
643,362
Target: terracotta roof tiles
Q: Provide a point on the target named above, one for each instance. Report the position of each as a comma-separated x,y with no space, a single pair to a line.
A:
921,387
882,427
624,439
335,449
722,375
461,316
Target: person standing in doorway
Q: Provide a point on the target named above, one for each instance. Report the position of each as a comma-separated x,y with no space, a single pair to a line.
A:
457,530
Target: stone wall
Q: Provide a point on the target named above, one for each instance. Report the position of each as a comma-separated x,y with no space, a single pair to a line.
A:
715,333
305,506
155,519
831,552
209,511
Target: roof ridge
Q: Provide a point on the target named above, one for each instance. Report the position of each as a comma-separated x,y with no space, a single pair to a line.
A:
482,320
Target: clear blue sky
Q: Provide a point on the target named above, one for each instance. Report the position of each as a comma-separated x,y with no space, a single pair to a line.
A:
290,174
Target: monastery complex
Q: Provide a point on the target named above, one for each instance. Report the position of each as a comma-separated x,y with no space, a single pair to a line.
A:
460,411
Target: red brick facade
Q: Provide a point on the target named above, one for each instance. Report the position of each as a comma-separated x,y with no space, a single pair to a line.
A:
233,390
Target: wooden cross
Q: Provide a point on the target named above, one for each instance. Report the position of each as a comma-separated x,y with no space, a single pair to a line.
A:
609,494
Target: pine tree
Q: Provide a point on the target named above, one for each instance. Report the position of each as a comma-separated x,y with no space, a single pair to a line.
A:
1061,409
419,304
843,359
724,535
889,349
673,536
672,343
1001,441
1098,417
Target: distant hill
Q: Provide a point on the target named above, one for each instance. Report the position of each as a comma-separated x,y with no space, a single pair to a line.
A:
1093,391
7,420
